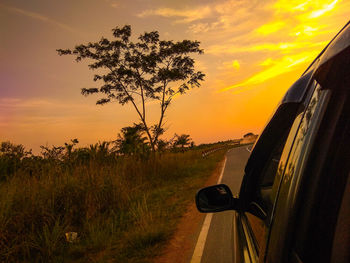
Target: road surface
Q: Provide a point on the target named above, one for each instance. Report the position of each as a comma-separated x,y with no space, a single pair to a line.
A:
219,239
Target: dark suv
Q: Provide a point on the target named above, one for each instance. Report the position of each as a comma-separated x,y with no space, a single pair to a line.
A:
294,201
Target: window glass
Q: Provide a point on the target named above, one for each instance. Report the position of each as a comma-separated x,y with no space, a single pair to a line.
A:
305,134
293,164
260,208
262,204
267,188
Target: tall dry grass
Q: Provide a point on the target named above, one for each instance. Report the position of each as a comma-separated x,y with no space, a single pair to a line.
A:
123,208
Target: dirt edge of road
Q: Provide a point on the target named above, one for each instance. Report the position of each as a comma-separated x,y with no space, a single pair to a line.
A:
180,248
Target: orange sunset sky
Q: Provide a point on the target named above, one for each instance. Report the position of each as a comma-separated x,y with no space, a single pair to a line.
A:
253,51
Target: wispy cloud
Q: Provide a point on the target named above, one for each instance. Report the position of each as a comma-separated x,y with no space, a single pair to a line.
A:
181,16
283,47
235,64
112,3
279,67
325,8
269,28
37,103
37,111
38,16
229,65
311,7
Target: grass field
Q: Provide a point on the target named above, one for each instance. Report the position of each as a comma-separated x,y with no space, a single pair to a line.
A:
124,209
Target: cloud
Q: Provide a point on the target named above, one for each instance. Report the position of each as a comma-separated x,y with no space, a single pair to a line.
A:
284,47
112,3
199,28
235,64
38,16
37,103
323,10
267,62
23,103
317,8
182,16
227,66
279,67
274,35
32,112
232,18
273,27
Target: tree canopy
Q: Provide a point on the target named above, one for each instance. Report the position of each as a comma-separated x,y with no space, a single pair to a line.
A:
131,141
136,72
182,140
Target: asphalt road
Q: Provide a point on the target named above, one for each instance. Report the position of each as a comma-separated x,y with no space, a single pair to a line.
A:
219,241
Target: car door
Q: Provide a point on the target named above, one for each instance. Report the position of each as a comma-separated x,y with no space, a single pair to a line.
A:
263,172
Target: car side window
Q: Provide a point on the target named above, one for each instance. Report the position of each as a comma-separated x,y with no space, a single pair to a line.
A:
292,164
261,207
262,204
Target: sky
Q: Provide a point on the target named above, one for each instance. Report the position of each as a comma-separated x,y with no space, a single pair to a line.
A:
253,52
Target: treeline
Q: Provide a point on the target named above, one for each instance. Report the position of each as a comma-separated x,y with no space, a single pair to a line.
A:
14,158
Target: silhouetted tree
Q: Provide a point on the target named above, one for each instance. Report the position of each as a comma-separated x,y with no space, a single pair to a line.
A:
150,69
99,150
162,145
131,140
55,153
182,140
11,156
69,147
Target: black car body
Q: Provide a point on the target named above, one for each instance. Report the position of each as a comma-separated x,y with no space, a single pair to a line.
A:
294,200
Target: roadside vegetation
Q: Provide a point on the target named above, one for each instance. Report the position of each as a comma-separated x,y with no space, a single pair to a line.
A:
123,206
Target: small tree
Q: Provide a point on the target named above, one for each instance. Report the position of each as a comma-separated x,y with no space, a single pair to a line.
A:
150,69
11,157
55,153
162,145
69,147
131,140
182,140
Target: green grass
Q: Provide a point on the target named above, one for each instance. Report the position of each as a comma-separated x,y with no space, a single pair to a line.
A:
124,210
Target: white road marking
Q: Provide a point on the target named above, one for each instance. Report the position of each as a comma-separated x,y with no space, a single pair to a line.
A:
198,251
222,171
249,150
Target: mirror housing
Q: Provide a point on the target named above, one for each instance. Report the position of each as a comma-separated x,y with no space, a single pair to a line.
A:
215,198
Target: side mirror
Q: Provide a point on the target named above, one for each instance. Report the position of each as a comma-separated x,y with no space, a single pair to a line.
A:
215,198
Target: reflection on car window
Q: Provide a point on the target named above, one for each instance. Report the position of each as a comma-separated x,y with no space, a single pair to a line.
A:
307,124
301,127
261,205
263,202
276,166
294,162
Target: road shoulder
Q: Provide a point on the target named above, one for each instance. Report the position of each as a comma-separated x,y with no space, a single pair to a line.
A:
180,248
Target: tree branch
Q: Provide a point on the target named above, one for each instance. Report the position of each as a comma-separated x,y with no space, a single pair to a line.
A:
139,113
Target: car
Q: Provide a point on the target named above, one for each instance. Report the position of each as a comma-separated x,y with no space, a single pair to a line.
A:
294,200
